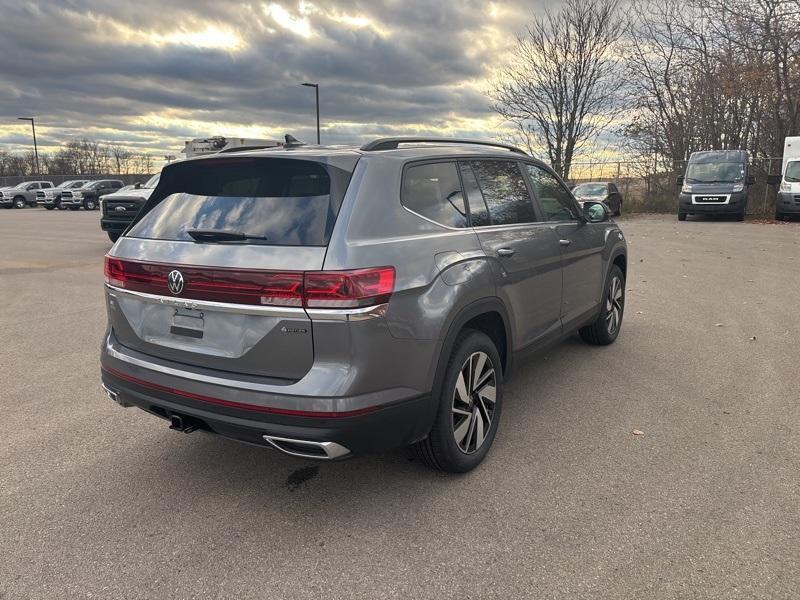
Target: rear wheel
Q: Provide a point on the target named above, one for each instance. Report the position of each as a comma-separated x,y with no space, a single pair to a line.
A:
469,405
681,216
606,328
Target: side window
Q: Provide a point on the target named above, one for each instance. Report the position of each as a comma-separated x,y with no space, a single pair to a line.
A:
434,191
46,184
478,211
33,186
504,191
556,201
116,184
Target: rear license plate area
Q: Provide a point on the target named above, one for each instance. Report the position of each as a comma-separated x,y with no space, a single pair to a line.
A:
188,323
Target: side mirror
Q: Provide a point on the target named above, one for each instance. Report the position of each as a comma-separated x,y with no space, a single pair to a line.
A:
751,180
773,179
596,212
679,181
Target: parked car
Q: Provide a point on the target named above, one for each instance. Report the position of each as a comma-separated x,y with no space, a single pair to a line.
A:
23,194
331,301
89,195
716,183
120,208
51,198
606,192
788,200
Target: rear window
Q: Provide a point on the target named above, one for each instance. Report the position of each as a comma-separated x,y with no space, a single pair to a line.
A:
289,202
434,191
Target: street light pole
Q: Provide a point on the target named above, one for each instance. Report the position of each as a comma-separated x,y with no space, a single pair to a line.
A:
35,147
316,89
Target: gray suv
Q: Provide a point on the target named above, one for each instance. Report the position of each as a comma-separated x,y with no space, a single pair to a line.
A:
332,301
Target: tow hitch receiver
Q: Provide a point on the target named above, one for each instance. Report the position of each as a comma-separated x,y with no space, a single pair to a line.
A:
184,424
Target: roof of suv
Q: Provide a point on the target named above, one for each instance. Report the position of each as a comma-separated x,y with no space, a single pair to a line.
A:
413,149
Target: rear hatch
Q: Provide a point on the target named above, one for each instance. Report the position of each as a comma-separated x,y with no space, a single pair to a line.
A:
211,273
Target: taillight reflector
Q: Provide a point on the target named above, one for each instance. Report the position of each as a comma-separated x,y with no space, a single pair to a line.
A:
312,289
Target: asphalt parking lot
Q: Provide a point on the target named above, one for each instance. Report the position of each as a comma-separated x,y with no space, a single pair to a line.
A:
97,501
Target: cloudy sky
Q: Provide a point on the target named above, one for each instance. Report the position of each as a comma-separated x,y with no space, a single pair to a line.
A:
149,74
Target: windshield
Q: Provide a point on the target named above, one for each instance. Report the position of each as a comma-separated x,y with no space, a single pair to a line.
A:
723,172
21,186
792,171
92,184
152,182
590,189
283,202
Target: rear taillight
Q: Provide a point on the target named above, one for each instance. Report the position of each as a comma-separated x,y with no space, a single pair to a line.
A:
348,289
312,289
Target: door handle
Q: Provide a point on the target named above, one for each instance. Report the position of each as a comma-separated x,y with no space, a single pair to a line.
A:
505,252
565,242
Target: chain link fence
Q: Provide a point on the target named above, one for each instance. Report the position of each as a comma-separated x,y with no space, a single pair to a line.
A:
647,185
59,179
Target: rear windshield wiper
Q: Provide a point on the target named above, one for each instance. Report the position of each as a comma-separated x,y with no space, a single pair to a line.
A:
221,235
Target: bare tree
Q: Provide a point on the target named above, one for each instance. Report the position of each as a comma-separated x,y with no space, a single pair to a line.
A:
560,90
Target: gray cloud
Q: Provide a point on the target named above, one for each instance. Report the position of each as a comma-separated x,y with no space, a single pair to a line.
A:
84,64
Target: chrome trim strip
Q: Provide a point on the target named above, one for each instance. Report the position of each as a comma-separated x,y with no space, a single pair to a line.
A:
331,449
288,312
347,314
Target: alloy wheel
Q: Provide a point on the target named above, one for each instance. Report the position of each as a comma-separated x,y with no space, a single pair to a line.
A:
474,402
614,303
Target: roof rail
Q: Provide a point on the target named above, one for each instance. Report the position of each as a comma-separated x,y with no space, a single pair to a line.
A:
246,148
392,143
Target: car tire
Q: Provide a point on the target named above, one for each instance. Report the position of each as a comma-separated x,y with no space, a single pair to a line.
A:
681,216
74,207
609,322
740,216
20,202
779,216
113,235
90,204
618,208
454,444
49,207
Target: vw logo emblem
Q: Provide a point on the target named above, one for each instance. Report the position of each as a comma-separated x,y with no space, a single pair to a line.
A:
175,282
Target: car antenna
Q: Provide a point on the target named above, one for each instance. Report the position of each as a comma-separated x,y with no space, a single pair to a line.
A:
292,142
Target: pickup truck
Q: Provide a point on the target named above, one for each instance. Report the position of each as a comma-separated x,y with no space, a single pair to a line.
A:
23,194
119,209
88,196
51,198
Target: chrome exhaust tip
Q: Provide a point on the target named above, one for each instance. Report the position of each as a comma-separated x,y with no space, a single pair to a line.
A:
307,449
112,395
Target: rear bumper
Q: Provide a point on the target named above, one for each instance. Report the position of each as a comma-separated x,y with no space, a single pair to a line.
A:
380,428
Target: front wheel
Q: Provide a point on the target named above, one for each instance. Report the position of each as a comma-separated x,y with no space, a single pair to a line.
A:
90,204
469,405
606,328
49,206
20,203
681,216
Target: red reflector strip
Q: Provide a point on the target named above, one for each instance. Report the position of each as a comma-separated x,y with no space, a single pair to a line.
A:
239,405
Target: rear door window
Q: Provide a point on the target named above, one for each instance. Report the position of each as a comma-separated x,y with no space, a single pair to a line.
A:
434,192
289,202
504,190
